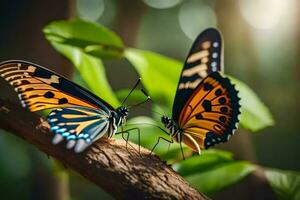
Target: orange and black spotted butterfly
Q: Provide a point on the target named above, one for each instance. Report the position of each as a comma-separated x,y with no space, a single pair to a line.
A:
77,116
206,105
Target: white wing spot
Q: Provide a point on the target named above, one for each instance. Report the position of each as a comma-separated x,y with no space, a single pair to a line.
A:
215,44
214,66
215,55
53,120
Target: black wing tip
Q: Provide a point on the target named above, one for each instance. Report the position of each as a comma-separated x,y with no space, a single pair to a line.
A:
209,32
235,100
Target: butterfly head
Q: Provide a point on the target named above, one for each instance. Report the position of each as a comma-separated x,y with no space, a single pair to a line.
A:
166,120
170,125
123,111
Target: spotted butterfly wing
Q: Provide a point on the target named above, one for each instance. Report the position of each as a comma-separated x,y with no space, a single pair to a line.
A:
205,56
79,125
39,88
211,113
206,105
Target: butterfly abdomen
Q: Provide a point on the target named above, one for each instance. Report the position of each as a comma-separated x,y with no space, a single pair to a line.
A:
115,121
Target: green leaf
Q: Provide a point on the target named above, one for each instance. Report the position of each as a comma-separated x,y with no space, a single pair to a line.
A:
90,38
285,184
159,74
208,160
218,178
255,115
91,70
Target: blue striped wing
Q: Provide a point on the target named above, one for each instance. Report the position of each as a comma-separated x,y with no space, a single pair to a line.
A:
79,125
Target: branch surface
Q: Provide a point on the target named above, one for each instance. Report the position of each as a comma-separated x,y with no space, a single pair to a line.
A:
121,172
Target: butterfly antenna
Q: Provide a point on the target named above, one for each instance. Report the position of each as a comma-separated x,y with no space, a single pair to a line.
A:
150,99
133,88
145,101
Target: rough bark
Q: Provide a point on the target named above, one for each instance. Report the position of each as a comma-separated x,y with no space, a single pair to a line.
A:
122,172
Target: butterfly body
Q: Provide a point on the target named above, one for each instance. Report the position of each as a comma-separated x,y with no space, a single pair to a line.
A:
77,115
206,105
172,127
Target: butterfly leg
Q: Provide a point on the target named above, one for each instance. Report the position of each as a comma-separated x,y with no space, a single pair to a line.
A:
169,141
123,132
139,136
123,136
127,138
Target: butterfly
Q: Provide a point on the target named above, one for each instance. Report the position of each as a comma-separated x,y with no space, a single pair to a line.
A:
77,115
206,106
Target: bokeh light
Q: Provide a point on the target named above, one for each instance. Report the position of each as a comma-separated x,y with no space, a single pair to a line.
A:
262,14
273,29
162,4
92,10
195,16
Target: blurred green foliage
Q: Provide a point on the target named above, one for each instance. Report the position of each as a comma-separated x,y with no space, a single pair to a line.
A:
86,53
286,184
155,72
80,42
255,115
214,179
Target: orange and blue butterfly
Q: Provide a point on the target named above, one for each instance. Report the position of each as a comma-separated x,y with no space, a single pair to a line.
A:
77,115
206,105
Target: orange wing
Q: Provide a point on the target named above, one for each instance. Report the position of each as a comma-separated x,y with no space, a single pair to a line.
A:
40,89
211,113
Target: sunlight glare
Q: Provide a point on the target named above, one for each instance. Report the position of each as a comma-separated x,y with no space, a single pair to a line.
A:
262,14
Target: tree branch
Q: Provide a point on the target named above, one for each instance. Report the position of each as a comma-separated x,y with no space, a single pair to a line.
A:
123,173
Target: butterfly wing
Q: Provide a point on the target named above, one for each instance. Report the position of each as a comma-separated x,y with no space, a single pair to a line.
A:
40,88
205,56
210,115
79,125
